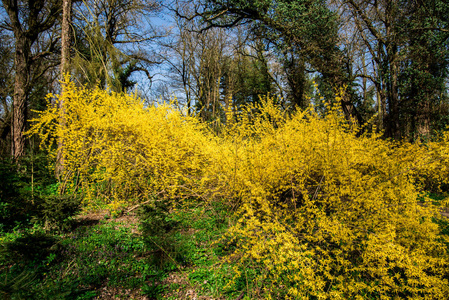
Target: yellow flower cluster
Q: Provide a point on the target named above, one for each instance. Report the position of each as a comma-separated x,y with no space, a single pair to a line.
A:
333,215
119,150
321,212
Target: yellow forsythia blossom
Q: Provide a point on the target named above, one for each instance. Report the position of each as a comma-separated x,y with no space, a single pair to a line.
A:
320,212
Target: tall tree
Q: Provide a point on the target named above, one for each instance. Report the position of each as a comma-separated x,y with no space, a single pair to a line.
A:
425,68
6,92
215,68
306,27
65,69
27,20
247,75
406,42
109,36
196,64
66,35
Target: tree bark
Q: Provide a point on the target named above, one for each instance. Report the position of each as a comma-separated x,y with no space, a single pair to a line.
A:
65,69
20,101
65,36
26,23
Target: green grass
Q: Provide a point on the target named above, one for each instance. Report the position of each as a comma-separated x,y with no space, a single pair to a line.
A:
110,258
193,255
76,265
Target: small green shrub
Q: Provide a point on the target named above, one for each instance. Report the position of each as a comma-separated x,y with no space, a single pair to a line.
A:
32,247
55,211
15,196
13,286
158,226
153,291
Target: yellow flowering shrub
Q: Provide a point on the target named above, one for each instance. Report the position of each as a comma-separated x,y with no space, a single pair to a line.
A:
330,215
119,150
320,212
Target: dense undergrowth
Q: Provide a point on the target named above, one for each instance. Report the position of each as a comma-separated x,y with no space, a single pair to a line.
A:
102,257
310,208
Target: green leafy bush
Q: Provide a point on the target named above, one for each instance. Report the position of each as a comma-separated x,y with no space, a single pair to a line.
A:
32,247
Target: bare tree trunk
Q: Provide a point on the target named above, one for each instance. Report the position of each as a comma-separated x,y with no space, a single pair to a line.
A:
65,69
20,101
423,119
65,36
393,95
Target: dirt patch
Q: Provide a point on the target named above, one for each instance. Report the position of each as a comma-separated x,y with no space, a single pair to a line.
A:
184,290
130,220
107,293
92,217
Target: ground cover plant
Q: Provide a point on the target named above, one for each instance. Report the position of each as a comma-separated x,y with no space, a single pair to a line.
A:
317,209
106,256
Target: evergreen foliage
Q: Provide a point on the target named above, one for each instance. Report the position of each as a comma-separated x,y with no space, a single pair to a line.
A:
29,195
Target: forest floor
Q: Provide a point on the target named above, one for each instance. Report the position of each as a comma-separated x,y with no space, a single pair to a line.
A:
105,257
175,285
